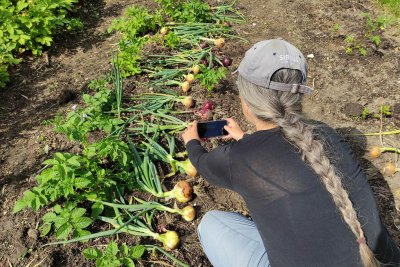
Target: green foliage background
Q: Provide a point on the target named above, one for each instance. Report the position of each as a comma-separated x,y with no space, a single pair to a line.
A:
29,25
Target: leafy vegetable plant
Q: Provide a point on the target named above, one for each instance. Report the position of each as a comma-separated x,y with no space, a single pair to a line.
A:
29,25
114,256
66,221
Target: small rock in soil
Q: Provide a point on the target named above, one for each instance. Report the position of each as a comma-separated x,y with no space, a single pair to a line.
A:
33,234
353,109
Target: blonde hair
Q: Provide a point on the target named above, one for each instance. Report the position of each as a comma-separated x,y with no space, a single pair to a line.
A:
284,109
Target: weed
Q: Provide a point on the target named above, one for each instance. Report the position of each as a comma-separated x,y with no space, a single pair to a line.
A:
371,33
336,27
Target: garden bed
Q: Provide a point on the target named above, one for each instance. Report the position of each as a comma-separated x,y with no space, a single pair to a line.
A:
41,88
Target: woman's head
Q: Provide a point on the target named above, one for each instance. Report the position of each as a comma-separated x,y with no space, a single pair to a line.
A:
265,104
272,78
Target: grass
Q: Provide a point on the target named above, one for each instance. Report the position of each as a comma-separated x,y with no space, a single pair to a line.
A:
392,5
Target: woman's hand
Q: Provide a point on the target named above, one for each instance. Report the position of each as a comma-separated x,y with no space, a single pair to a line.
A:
190,133
233,130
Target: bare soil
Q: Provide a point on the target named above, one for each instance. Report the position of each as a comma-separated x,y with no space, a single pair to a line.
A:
344,84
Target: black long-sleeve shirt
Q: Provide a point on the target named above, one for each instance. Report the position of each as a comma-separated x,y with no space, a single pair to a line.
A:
294,213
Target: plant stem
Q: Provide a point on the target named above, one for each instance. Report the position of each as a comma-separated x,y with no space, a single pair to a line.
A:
377,134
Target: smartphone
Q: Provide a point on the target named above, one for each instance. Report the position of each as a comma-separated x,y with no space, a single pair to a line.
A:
212,128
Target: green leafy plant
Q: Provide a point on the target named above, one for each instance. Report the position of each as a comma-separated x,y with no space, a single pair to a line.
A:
78,123
365,113
392,5
66,221
371,33
384,111
209,78
63,177
29,25
136,23
186,10
336,27
114,256
352,44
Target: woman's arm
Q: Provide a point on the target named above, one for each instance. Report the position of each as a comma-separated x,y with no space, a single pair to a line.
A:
214,165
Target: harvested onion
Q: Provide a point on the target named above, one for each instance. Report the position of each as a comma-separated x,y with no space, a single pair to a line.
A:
389,169
188,213
188,167
196,69
164,30
182,192
170,239
226,61
375,152
206,114
188,102
219,43
189,78
185,86
208,104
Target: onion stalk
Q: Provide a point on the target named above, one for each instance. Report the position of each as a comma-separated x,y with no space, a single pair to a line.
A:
162,98
161,121
188,213
149,180
170,239
159,153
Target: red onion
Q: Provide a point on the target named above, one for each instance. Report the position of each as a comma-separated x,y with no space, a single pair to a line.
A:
206,114
203,45
226,61
208,105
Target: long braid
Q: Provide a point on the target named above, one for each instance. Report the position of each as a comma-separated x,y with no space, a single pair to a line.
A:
284,108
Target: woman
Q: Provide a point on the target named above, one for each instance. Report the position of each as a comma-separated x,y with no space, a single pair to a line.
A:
310,203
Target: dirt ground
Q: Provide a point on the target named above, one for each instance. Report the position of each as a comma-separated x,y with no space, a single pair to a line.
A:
42,87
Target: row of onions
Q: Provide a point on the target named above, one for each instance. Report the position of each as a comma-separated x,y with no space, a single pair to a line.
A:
146,122
196,56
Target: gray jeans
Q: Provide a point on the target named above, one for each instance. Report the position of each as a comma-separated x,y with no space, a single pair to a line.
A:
231,240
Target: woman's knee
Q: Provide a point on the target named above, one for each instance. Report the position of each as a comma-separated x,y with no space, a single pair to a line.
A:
208,221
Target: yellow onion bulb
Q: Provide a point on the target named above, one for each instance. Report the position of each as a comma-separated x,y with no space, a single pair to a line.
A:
185,86
189,78
375,152
170,239
164,30
196,69
190,169
389,169
188,101
183,191
188,213
219,43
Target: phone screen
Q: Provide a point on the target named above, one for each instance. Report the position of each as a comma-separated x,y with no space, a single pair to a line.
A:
211,128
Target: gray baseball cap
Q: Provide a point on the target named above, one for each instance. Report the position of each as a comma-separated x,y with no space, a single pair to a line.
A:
266,57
